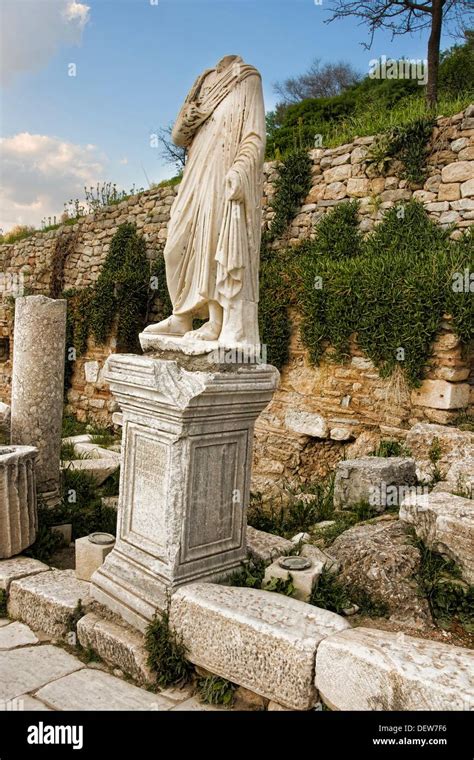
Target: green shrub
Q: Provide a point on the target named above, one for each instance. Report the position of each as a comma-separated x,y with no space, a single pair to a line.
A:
409,144
392,295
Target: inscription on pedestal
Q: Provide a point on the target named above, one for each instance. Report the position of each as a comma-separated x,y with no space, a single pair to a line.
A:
148,492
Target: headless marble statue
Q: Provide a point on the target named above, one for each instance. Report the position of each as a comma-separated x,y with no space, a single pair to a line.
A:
213,244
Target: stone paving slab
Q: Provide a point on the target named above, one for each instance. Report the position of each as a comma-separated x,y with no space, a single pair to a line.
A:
28,668
95,690
19,567
46,601
4,621
30,703
16,635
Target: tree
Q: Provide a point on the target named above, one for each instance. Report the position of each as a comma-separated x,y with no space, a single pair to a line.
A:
318,82
170,152
406,17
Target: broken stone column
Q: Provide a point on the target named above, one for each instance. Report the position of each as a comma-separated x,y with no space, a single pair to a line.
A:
18,517
38,386
185,478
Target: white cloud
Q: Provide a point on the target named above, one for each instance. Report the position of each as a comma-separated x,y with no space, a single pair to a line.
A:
33,30
40,173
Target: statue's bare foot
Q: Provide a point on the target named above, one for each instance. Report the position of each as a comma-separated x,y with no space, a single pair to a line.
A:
174,325
208,331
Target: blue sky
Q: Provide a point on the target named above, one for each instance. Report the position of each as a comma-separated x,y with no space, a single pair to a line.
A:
135,61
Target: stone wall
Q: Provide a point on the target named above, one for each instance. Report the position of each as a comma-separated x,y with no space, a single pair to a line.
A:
345,405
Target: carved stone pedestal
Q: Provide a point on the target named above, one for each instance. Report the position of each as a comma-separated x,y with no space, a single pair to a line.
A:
185,478
18,516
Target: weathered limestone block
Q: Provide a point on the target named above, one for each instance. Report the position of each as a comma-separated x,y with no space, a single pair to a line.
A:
263,641
18,510
445,523
439,394
91,552
459,479
366,669
98,469
454,445
266,546
185,479
307,423
380,559
19,567
358,187
45,601
372,480
459,171
337,174
38,385
118,645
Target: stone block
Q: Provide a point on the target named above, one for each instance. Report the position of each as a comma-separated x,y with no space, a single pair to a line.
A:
449,192
91,371
303,580
265,642
367,669
440,394
118,645
467,188
454,445
307,423
266,546
98,469
337,174
459,171
445,523
45,601
91,552
369,478
358,187
19,567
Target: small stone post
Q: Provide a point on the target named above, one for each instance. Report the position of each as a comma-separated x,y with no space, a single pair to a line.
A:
38,386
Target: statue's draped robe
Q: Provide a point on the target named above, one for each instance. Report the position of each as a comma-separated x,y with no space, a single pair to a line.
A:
213,244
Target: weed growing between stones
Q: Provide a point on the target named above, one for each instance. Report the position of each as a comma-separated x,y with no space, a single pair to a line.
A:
302,512
450,599
464,421
74,618
249,576
332,594
3,603
166,652
214,690
391,449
